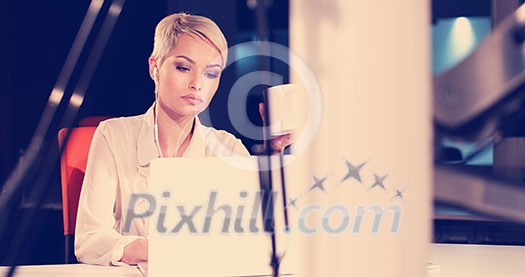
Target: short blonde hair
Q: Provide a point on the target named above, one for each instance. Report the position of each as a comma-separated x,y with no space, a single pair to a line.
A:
170,27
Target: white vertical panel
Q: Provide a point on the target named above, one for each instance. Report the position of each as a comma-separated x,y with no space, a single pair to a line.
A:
372,61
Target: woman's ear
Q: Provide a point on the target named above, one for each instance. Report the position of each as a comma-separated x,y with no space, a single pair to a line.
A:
153,69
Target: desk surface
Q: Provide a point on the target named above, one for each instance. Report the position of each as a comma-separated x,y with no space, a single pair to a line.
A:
452,260
461,260
74,270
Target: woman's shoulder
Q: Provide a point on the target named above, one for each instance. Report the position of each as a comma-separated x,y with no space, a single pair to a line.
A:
215,138
128,125
211,133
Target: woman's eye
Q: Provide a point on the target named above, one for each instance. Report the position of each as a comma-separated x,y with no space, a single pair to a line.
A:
182,68
211,75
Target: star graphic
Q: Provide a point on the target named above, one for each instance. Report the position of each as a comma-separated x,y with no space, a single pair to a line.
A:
353,172
318,183
292,202
399,193
378,182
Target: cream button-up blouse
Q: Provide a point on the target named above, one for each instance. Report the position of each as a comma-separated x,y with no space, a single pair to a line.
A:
118,165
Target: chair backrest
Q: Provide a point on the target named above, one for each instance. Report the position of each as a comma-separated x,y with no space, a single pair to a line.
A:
72,168
92,120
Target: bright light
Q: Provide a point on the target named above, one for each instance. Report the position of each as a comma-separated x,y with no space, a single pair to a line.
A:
462,38
520,15
76,99
56,96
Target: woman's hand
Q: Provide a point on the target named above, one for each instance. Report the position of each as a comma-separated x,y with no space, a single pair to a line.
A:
135,252
278,143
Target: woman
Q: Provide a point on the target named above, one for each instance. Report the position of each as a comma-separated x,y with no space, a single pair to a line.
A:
188,57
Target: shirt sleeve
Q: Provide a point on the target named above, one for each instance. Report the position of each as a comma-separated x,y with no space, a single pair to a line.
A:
96,240
239,149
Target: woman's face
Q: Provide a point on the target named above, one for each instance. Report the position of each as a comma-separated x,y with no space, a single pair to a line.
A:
188,77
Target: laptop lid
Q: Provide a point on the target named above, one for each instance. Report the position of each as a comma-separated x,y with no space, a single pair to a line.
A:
207,219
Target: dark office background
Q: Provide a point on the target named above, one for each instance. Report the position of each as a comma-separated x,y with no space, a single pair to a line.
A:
37,35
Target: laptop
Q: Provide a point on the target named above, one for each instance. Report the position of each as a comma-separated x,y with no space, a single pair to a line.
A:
207,219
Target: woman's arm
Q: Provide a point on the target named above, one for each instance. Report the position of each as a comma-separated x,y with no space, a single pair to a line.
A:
96,240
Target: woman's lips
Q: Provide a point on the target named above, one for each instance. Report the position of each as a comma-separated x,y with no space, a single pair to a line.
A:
192,99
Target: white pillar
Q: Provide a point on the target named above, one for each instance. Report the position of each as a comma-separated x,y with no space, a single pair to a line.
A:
372,61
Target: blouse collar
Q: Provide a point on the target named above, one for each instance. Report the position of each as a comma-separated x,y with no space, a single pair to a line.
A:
147,149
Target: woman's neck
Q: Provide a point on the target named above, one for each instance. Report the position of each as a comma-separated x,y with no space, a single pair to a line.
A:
174,132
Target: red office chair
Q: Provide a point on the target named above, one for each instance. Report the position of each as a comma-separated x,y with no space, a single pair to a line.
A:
72,168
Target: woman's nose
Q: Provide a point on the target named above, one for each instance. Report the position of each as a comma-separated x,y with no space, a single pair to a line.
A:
196,83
